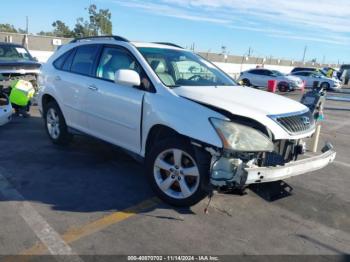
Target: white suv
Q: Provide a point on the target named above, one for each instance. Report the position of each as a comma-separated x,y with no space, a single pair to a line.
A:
192,125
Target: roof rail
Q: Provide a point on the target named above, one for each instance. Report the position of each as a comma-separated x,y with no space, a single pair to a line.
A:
115,37
169,44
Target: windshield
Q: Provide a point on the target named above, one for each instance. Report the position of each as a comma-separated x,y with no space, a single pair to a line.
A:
183,68
14,53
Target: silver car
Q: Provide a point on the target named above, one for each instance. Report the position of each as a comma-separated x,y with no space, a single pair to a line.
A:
259,78
310,77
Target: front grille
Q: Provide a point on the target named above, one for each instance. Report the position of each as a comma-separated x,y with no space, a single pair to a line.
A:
298,123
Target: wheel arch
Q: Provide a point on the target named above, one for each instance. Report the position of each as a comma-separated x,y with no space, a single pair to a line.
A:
160,132
46,99
327,83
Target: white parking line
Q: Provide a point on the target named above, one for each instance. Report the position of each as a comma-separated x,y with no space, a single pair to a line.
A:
48,236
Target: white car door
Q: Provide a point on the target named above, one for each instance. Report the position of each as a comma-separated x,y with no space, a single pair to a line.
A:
313,78
264,77
255,77
115,111
305,76
72,79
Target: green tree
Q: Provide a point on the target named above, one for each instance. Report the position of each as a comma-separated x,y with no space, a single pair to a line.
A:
21,31
46,33
8,28
61,29
82,28
104,22
99,23
100,20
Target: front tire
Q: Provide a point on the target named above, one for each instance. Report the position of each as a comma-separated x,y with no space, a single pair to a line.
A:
246,82
55,124
283,87
326,86
175,174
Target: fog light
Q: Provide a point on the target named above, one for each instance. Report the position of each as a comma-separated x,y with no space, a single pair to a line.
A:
225,170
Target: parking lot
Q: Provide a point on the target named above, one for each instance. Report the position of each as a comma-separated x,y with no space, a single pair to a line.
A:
92,199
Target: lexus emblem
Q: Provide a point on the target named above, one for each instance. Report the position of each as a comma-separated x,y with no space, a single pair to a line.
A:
305,120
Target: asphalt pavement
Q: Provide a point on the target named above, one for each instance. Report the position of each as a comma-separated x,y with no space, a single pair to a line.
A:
90,198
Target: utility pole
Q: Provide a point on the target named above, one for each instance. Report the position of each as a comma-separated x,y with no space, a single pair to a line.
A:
193,46
27,25
26,40
249,51
304,55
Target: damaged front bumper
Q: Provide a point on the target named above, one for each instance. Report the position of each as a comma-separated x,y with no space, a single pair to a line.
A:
247,174
294,168
5,114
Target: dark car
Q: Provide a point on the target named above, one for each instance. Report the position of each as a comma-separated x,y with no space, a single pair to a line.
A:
17,63
299,69
345,67
309,69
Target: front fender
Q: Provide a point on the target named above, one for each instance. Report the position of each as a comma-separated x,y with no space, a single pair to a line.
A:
182,115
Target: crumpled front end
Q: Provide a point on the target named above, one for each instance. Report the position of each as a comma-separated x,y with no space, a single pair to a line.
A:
238,169
5,110
236,172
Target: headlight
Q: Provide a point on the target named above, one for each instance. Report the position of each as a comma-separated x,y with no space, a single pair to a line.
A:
241,138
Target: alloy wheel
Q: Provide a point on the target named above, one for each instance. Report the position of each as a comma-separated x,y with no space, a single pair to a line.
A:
53,123
176,174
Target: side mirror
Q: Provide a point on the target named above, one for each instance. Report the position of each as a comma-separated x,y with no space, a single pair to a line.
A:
127,77
36,59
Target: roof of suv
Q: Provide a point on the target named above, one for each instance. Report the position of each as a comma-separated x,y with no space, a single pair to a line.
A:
297,69
108,39
156,45
307,71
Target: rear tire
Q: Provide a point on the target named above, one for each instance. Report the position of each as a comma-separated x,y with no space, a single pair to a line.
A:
175,173
55,124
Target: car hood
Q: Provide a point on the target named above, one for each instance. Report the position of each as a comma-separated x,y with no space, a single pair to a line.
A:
19,64
331,79
241,100
246,102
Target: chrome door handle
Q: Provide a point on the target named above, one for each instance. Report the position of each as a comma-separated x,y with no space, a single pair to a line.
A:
58,78
93,88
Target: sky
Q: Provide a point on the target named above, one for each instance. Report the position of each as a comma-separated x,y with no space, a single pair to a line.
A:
277,28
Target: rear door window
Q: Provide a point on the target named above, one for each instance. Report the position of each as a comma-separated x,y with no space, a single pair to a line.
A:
84,59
